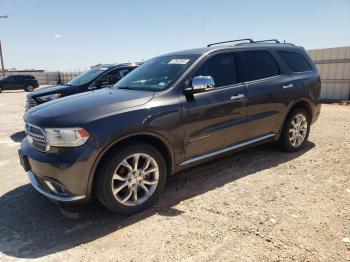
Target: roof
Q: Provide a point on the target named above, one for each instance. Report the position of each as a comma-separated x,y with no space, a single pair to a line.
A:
119,65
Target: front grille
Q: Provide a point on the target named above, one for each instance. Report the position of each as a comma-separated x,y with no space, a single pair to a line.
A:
30,103
36,138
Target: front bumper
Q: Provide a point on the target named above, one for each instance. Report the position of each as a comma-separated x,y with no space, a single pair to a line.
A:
50,191
63,175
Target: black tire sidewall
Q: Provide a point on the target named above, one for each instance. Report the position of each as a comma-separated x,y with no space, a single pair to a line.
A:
27,90
284,138
103,188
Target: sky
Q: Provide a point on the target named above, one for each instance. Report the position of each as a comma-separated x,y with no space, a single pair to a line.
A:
76,34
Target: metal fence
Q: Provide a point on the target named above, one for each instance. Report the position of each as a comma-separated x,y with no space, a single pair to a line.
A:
334,67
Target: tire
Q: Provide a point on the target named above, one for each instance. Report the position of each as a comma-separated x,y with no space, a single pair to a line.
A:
124,190
29,88
0,89
290,141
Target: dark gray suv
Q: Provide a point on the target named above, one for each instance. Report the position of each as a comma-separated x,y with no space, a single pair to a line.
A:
14,82
172,112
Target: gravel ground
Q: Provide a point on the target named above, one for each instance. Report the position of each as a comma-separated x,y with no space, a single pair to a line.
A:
257,205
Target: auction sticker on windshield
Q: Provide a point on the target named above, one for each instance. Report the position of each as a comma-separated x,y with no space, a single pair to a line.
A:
179,61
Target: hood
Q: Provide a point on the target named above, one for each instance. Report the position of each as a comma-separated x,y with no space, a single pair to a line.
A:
83,107
52,90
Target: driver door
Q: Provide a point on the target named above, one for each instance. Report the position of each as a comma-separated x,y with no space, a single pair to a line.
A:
215,119
11,82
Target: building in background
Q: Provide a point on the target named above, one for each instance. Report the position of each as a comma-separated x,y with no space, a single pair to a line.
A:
334,67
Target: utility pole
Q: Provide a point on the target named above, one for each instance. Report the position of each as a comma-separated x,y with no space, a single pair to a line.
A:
1,57
2,61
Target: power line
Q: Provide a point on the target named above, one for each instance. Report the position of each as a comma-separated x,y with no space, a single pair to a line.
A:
18,7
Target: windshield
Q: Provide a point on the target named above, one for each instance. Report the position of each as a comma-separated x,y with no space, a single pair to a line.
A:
156,74
87,76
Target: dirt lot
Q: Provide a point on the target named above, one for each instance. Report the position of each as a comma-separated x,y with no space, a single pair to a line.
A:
256,205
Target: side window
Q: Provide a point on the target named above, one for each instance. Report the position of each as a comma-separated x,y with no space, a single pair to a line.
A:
296,62
222,68
258,65
111,77
123,72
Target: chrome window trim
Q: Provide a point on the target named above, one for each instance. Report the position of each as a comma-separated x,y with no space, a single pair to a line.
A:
264,79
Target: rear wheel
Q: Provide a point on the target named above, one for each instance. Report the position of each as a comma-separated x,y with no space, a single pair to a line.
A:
295,130
132,179
29,88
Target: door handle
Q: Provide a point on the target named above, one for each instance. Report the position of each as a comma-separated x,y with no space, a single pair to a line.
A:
239,96
288,86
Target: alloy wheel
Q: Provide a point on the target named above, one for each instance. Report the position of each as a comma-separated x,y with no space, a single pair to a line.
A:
135,179
298,130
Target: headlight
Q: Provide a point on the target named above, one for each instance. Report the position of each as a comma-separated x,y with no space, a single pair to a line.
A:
49,97
66,137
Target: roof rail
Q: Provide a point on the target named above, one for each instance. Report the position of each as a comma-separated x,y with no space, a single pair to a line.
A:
231,41
268,40
265,41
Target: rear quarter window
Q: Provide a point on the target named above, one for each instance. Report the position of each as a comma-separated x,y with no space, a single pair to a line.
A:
258,65
296,62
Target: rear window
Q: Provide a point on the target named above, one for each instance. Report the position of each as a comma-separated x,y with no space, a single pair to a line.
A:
296,62
258,65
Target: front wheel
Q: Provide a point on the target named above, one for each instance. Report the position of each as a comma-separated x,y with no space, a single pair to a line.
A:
131,180
295,131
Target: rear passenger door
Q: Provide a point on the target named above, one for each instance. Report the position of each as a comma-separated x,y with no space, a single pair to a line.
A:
215,119
264,82
22,81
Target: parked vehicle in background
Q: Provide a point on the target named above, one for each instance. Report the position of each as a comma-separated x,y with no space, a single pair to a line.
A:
97,77
173,112
15,82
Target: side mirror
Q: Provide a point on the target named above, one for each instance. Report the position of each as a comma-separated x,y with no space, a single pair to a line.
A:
200,84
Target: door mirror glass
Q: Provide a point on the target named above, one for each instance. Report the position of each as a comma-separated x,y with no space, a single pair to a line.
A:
200,84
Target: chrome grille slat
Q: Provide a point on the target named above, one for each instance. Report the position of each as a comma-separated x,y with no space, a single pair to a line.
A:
30,103
38,139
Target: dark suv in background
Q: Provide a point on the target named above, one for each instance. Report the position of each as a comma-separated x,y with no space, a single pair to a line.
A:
97,77
14,82
173,112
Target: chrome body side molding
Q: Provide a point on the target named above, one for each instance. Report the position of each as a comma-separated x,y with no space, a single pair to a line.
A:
227,149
